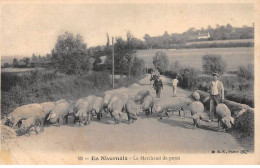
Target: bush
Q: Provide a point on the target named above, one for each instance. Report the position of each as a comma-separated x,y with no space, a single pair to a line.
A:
213,63
8,80
246,72
236,89
7,65
245,123
188,77
161,61
125,82
137,68
38,87
243,97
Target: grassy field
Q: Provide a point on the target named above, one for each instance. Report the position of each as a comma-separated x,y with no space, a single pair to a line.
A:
193,57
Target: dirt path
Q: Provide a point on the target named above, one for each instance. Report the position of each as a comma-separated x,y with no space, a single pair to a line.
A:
170,135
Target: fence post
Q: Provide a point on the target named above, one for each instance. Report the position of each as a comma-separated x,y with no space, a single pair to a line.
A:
113,66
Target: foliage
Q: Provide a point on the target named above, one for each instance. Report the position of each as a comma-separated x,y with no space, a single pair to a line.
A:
237,88
219,33
245,123
26,60
246,72
161,61
187,76
6,65
138,67
15,62
243,97
125,60
70,54
213,63
43,86
175,66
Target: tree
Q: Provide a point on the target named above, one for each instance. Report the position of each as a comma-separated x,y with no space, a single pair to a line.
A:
108,41
138,66
175,66
191,31
125,55
229,27
213,63
34,58
26,60
48,56
96,66
161,61
146,37
148,41
6,65
209,28
70,54
40,58
15,62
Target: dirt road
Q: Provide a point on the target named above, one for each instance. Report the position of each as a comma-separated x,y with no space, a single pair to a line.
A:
149,135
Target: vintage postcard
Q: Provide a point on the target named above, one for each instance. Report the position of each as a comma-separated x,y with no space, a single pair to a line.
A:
129,82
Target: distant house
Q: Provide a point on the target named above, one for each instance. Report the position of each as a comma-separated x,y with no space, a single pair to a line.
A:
204,36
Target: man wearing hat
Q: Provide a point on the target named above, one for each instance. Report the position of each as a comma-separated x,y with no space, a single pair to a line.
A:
158,86
216,90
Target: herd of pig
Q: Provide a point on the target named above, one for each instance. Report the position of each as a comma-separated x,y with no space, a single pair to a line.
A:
26,117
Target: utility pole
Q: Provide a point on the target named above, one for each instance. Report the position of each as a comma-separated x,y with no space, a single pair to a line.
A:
113,63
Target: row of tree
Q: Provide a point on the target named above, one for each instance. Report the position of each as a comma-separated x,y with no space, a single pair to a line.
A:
210,63
71,56
219,33
22,62
40,58
27,62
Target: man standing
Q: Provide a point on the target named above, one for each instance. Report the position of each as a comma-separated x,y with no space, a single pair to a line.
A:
216,90
158,86
174,85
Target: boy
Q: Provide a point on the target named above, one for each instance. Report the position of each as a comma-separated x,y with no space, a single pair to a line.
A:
174,85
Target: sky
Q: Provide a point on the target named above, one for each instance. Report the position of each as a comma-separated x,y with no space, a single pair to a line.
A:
33,28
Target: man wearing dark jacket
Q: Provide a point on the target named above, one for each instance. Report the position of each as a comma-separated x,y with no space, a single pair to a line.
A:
158,86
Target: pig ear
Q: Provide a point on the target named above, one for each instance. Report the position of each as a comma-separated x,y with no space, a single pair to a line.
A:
232,120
